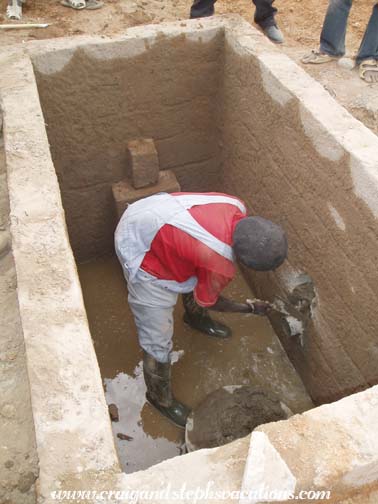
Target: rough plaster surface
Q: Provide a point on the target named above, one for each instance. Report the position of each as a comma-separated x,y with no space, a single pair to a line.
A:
72,430
297,157
18,456
268,118
97,97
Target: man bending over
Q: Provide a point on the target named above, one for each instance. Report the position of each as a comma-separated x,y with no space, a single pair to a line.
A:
188,243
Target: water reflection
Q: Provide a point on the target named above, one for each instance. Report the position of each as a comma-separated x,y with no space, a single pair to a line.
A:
139,421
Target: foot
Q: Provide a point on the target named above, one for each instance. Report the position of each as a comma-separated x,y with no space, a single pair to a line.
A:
316,57
82,4
274,34
177,412
208,326
74,4
369,70
199,16
93,4
14,9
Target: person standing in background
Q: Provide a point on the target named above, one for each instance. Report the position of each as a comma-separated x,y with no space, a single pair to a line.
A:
332,40
264,16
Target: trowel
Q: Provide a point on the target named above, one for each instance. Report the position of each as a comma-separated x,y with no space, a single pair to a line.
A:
296,320
296,310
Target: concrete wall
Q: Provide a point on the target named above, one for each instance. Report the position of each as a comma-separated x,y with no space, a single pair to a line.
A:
299,454
330,448
18,456
72,430
95,98
295,156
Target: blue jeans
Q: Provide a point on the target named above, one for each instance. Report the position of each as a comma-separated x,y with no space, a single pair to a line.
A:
264,13
332,39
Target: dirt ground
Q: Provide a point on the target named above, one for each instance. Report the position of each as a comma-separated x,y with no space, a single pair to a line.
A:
300,20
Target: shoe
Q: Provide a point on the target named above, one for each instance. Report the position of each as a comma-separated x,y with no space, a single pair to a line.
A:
369,70
201,8
157,376
198,318
274,34
209,326
177,412
316,57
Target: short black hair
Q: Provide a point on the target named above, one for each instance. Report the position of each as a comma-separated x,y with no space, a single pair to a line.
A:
259,243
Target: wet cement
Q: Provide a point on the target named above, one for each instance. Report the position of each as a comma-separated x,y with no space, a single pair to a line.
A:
230,413
253,356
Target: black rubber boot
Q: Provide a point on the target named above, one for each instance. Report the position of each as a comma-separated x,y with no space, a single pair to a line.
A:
202,8
157,376
199,318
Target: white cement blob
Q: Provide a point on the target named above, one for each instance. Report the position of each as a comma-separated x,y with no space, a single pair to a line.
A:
296,326
176,355
231,388
336,217
286,409
347,63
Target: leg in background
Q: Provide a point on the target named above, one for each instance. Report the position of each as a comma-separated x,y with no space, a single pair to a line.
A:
265,12
332,38
367,56
265,18
202,8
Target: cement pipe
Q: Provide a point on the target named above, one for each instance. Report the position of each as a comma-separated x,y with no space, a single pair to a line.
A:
23,26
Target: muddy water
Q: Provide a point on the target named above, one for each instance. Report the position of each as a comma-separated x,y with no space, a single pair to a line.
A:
201,364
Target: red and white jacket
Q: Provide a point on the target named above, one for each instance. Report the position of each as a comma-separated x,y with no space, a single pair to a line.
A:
183,241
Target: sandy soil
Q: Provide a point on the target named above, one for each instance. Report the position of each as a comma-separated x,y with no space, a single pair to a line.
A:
300,20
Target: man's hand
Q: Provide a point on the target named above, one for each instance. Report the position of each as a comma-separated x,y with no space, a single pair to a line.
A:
255,306
259,307
228,306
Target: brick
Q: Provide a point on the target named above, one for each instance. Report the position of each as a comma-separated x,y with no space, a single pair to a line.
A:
142,162
124,193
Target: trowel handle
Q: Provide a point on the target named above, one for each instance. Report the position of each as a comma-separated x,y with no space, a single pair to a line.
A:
259,307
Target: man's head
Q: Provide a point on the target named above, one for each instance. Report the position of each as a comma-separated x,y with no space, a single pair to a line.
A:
259,243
